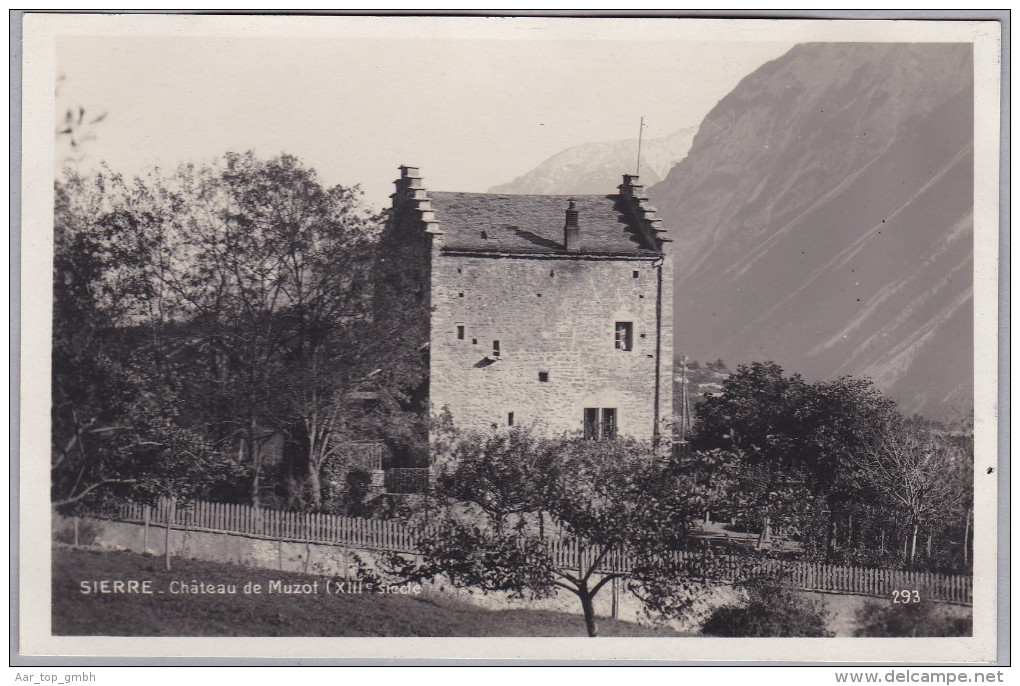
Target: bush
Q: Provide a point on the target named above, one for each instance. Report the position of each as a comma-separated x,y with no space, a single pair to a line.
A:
883,619
358,490
88,532
770,611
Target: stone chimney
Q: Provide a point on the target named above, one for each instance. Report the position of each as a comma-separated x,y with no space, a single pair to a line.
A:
571,230
411,196
633,194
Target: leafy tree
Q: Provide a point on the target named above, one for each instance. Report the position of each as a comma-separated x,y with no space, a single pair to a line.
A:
800,443
96,391
911,471
238,295
527,515
786,422
115,422
267,270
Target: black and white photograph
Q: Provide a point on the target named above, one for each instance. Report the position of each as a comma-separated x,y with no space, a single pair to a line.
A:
488,337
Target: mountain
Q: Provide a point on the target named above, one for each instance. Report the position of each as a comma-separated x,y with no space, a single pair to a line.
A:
593,168
823,218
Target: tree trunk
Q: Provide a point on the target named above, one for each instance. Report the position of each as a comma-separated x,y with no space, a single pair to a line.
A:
255,456
314,485
966,535
913,544
590,620
256,489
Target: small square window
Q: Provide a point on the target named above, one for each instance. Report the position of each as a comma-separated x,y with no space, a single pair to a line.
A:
474,341
460,332
543,376
636,273
624,336
495,348
509,418
461,294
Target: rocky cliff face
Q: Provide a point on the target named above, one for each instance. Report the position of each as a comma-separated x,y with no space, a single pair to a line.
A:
594,168
823,219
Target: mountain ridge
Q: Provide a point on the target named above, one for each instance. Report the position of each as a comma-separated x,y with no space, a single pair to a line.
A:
847,250
596,168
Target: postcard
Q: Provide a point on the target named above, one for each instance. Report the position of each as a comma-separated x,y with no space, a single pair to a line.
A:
509,337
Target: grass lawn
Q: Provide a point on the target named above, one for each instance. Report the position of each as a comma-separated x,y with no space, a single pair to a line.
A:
369,614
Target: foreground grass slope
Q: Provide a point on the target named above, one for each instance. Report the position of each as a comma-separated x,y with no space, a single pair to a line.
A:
369,614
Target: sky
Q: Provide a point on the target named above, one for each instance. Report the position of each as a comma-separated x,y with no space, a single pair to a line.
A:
471,108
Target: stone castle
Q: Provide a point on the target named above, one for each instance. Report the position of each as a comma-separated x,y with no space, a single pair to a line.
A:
546,310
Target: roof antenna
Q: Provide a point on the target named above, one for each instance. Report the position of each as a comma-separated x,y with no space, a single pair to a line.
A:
640,133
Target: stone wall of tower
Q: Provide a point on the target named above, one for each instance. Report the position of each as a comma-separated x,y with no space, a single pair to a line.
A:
553,316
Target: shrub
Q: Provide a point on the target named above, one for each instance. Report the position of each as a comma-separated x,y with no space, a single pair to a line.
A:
884,619
359,489
771,610
88,531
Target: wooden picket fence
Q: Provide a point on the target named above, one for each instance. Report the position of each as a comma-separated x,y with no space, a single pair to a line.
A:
277,525
394,536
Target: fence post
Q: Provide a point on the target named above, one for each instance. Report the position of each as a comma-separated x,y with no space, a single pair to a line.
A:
171,513
76,531
616,597
145,530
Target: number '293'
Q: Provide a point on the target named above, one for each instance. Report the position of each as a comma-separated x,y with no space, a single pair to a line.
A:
902,597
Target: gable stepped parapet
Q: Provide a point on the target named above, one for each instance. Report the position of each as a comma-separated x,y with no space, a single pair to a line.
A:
641,212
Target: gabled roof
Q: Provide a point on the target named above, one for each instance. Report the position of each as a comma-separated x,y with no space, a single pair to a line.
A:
486,222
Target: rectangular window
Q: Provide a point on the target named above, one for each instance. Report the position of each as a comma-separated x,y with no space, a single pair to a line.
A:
495,348
460,332
591,423
543,376
509,418
599,423
608,423
636,273
624,335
